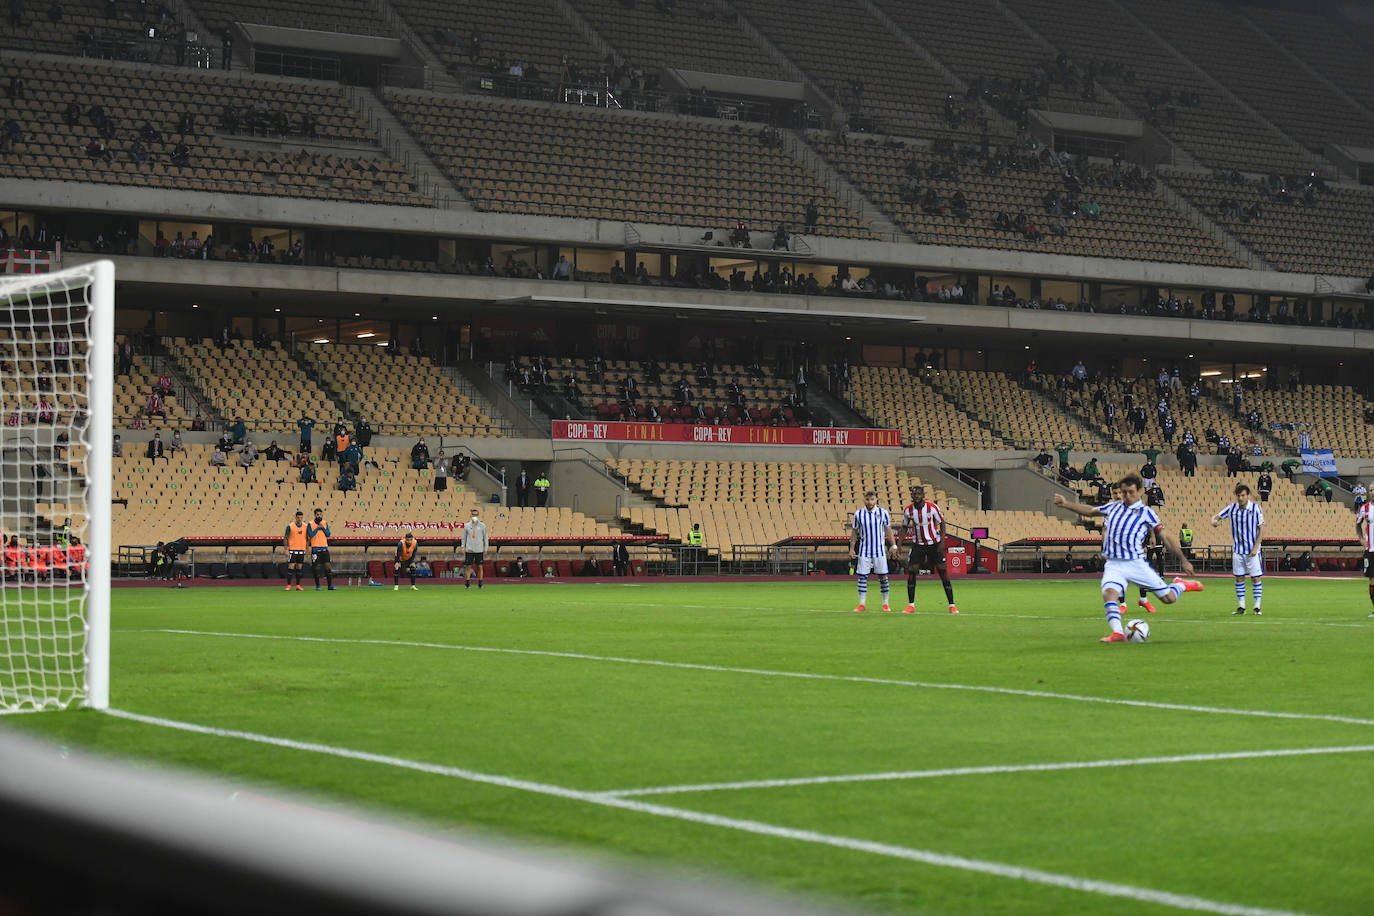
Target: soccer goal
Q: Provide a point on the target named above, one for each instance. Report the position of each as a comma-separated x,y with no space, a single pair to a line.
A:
56,414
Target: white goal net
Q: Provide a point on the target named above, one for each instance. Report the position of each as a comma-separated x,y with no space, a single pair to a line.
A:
56,411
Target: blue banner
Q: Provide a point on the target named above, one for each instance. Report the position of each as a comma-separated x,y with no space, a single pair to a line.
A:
1319,461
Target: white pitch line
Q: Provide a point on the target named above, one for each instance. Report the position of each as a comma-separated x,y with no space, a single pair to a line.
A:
927,857
799,675
984,770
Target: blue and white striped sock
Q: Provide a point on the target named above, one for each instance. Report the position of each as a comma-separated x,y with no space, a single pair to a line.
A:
863,588
1240,593
887,589
1257,586
1114,616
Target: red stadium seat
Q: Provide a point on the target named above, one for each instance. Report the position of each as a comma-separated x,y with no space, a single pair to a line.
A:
564,569
536,568
376,570
488,569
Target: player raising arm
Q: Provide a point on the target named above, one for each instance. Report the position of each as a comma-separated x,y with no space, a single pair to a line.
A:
870,541
1246,521
1123,549
1364,530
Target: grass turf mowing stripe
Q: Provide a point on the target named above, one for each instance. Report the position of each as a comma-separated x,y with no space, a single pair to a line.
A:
800,675
927,857
985,770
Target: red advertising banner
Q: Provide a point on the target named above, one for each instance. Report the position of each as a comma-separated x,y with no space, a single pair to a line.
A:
690,434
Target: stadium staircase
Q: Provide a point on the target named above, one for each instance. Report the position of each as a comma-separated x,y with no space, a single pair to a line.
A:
470,391
436,75
527,416
336,396
1090,436
951,397
854,199
997,123
189,394
815,96
1209,226
1272,444
1318,164
827,407
594,38
403,148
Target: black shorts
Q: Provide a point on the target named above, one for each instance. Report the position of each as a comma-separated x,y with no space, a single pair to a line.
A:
405,566
295,556
1369,564
472,559
925,556
319,556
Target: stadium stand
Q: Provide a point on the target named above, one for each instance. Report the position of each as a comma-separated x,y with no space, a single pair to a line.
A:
1021,417
840,45
1255,69
398,394
131,398
1133,224
655,36
1332,415
186,497
356,17
125,97
992,52
761,395
1140,68
897,399
88,29
1287,514
801,498
1330,48
531,31
1323,233
1145,394
514,157
28,392
266,388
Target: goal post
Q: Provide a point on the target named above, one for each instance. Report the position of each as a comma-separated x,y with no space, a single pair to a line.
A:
56,431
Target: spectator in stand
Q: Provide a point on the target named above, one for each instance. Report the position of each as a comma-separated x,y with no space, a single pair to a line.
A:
441,473
117,447
274,452
248,453
154,406
240,431
590,567
1080,375
1361,495
218,457
1264,485
176,444
519,569
155,448
347,479
419,455
563,270
308,473
307,427
198,424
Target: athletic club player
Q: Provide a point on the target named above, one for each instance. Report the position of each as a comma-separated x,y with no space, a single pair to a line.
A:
926,523
1364,530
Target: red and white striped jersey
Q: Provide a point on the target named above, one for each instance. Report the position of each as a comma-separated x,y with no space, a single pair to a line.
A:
1366,515
924,520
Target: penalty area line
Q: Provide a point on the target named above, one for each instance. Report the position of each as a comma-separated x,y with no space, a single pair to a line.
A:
853,844
985,770
797,675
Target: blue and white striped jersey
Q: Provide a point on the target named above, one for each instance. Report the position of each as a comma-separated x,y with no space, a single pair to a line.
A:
1127,527
872,525
1245,525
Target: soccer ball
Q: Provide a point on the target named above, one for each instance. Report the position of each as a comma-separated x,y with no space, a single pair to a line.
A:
1137,631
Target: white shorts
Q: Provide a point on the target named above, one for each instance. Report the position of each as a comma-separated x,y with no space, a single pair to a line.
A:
1245,565
866,565
1120,574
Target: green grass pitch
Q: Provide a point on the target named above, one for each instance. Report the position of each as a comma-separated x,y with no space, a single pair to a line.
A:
780,681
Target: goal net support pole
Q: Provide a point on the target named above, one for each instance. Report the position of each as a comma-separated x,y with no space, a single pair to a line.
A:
100,434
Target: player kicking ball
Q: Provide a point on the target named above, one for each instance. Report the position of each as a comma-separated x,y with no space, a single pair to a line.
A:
926,523
1128,521
870,542
1246,521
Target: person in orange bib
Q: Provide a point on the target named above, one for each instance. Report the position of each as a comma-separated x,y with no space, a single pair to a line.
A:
405,560
296,540
317,533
